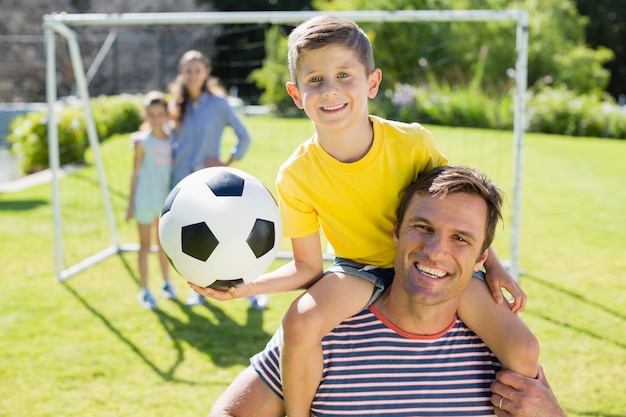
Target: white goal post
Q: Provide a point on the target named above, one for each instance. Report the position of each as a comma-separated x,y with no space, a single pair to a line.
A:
62,23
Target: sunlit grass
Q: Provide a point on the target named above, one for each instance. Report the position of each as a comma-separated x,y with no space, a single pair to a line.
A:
84,347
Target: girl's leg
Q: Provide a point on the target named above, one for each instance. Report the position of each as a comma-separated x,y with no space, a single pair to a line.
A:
167,290
310,317
165,264
146,300
144,251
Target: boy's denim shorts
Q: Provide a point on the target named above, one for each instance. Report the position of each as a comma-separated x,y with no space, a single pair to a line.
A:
380,277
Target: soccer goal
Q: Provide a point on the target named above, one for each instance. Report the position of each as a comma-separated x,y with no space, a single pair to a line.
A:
75,223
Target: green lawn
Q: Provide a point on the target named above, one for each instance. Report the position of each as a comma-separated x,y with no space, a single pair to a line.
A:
85,347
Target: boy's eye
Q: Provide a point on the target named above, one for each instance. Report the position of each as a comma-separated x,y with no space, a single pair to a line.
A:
343,75
315,79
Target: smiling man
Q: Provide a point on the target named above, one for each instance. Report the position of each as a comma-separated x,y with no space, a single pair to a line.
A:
408,353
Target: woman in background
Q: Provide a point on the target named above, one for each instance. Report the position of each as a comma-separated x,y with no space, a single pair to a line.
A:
200,112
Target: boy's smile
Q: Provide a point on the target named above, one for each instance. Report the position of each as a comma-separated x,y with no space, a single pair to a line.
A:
333,88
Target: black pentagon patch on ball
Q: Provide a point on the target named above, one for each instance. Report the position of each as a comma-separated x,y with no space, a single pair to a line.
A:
167,206
198,241
226,184
261,237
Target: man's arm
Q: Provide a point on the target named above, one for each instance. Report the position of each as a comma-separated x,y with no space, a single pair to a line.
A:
248,396
515,395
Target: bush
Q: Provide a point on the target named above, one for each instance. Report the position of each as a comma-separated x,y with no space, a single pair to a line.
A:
464,107
28,134
549,110
560,111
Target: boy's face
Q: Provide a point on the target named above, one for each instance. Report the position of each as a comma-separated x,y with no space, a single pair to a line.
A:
333,88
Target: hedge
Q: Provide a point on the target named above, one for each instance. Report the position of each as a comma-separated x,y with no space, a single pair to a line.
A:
28,134
550,110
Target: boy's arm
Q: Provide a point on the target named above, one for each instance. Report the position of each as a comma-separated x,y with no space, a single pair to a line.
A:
305,269
498,277
502,330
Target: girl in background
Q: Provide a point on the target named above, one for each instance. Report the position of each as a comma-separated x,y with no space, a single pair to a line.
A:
200,112
149,186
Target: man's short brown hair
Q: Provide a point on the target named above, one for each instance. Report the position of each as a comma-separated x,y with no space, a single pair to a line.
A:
450,179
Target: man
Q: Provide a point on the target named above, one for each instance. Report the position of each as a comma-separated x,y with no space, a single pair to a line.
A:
407,354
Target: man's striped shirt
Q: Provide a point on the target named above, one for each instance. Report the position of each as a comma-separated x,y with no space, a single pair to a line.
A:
373,368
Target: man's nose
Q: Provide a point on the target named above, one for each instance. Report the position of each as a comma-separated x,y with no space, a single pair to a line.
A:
435,247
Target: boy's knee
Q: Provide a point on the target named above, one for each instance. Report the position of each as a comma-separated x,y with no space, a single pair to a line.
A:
301,324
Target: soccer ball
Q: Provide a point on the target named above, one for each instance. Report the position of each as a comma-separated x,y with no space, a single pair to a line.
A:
220,227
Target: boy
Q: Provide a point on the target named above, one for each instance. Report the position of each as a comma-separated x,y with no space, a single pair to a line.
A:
348,179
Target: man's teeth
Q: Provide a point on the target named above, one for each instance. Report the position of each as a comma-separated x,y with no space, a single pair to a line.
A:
430,271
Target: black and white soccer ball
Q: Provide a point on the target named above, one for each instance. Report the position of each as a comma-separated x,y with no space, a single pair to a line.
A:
220,227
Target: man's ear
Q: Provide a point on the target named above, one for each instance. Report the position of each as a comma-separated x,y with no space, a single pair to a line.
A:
293,91
395,235
481,261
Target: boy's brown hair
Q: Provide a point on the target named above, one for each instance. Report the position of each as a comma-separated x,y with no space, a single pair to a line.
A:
325,30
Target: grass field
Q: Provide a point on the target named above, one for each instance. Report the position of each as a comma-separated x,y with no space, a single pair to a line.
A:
85,347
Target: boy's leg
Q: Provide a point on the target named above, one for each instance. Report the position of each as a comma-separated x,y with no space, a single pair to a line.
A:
310,317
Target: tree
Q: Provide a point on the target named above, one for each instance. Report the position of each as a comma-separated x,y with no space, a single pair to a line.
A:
241,46
606,28
451,51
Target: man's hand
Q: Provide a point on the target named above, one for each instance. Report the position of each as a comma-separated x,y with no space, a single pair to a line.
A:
514,395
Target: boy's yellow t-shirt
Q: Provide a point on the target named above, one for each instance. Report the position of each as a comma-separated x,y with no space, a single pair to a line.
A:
355,203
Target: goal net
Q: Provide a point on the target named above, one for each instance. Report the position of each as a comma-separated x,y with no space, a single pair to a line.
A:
87,230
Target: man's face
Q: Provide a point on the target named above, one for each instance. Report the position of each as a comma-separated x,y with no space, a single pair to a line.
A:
439,246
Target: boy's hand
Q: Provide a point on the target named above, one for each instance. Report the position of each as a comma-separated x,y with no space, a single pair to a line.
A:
229,294
498,278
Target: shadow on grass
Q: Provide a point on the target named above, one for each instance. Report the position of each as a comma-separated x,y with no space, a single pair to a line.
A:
226,342
578,298
22,205
133,347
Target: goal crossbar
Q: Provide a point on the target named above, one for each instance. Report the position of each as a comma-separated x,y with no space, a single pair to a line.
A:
62,23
